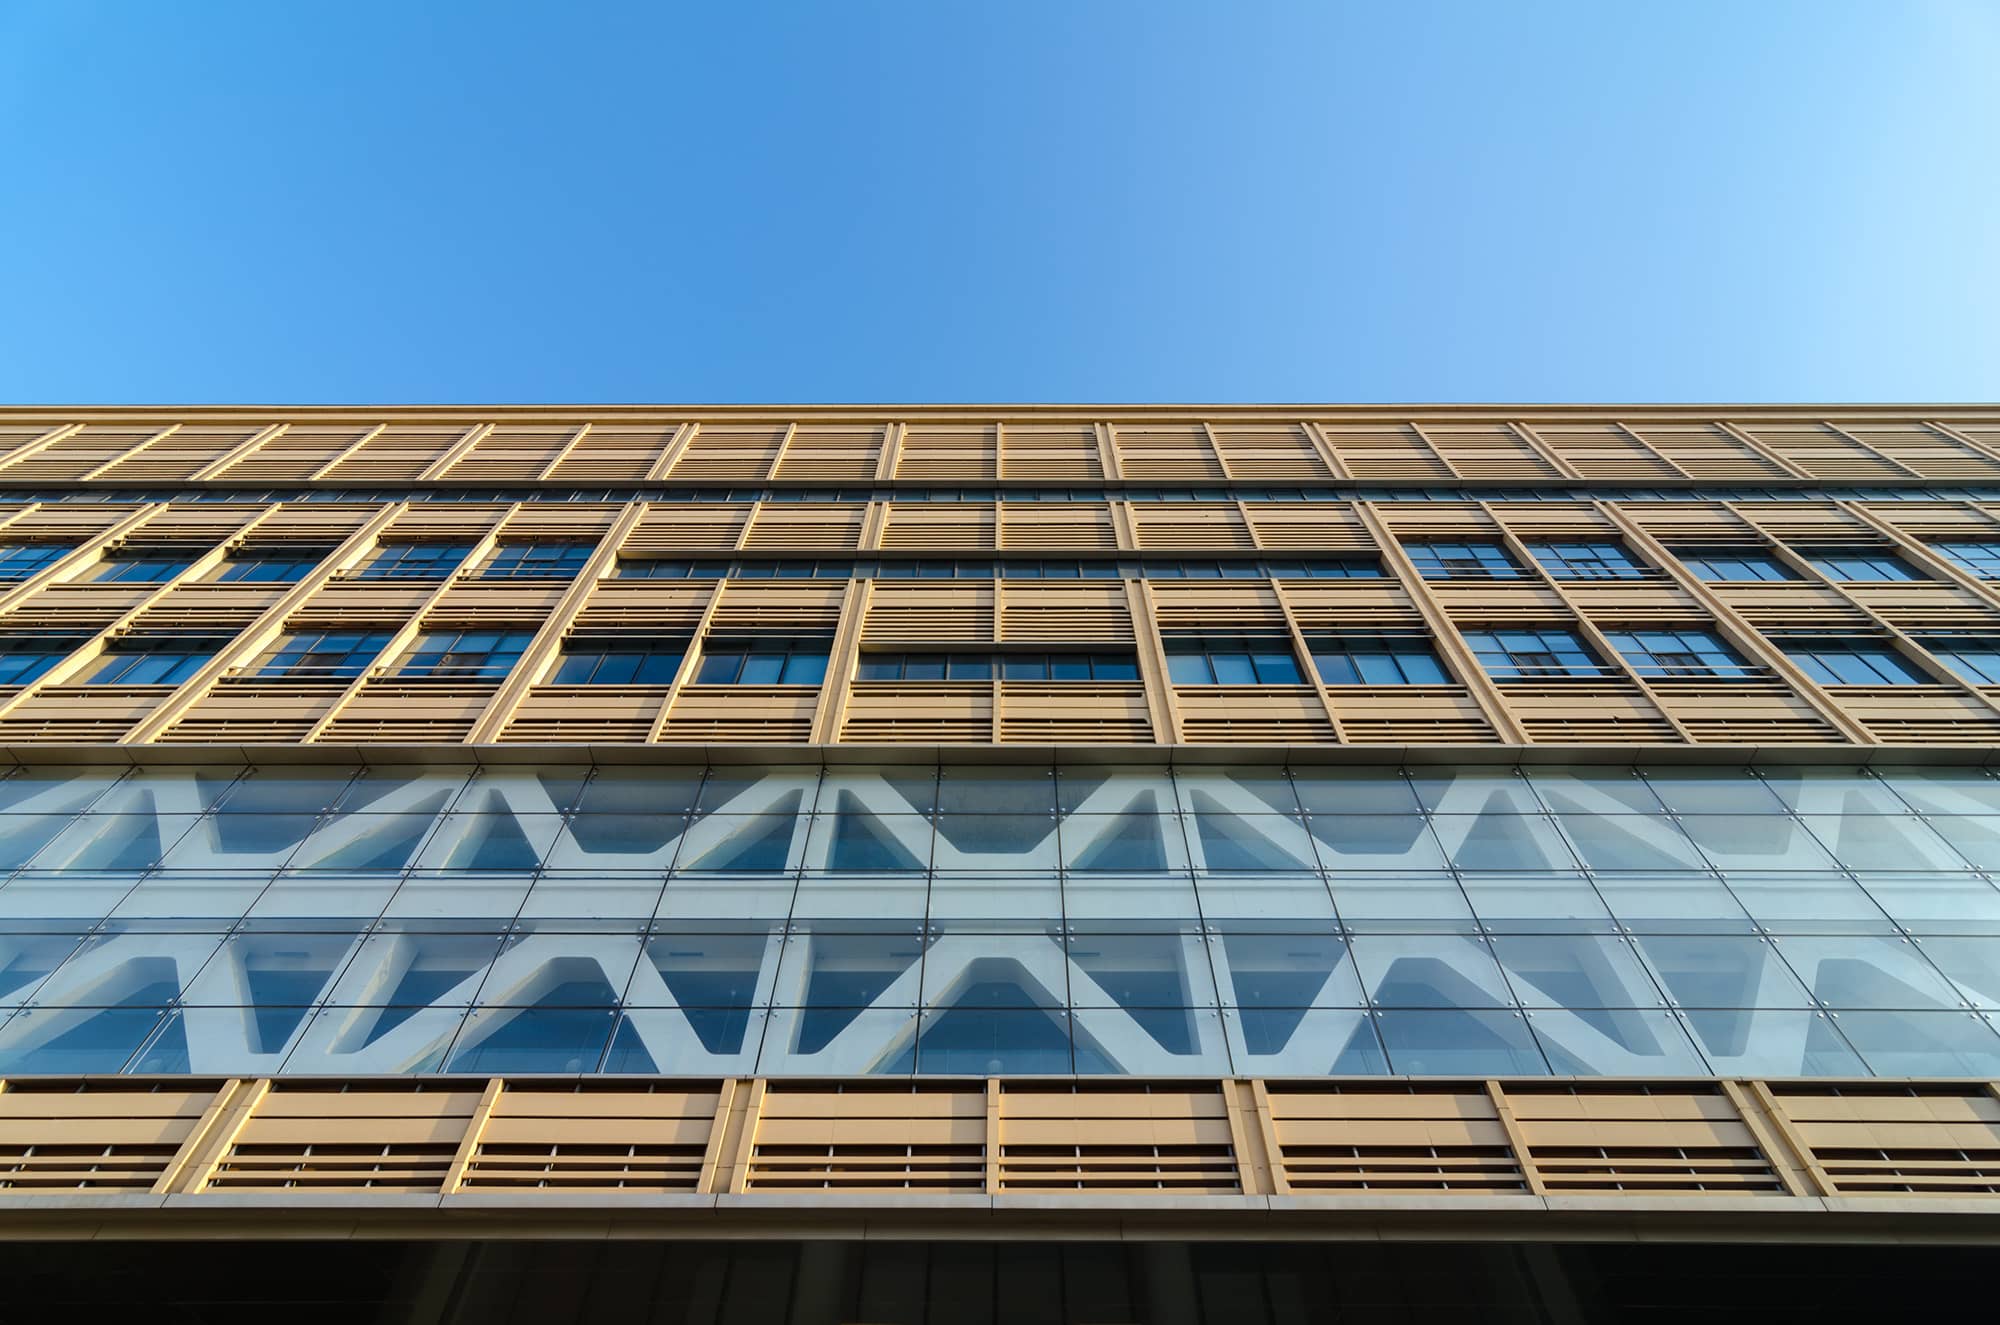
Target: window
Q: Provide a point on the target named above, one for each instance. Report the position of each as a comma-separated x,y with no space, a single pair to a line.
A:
1732,566
1462,561
1982,559
925,667
1202,570
466,654
1512,655
287,566
336,654
1006,666
1678,653
414,561
793,570
1974,657
762,663
672,570
936,570
157,662
1337,568
537,561
1232,662
1377,660
1838,662
18,563
1059,570
645,662
1587,561
1069,667
1862,564
23,658
140,567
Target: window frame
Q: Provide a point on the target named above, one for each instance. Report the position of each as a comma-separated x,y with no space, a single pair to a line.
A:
1394,652
1592,667
1434,560
408,667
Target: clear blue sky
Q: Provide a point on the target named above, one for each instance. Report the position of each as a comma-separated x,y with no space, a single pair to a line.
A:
1068,200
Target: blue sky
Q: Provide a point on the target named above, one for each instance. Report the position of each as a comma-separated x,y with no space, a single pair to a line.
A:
1063,200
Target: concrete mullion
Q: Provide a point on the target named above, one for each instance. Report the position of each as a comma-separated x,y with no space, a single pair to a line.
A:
1162,705
831,708
1311,669
1329,454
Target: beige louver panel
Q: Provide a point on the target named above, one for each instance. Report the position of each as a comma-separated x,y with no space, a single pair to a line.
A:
934,453
1259,455
1491,451
666,606
511,454
612,453
1384,451
783,608
1177,526
399,452
800,527
1050,453
1064,613
561,1136
1926,451
1056,527
1216,607
702,528
294,455
1167,454
945,527
928,614
730,453
1604,451
1322,527
1824,452
82,452
177,455
1707,451
831,455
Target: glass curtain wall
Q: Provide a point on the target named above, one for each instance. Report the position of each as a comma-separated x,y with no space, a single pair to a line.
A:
978,920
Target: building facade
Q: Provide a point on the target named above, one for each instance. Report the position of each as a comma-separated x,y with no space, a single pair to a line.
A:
748,827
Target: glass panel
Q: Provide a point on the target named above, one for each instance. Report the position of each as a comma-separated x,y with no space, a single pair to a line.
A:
1924,1044
1755,842
1864,971
1460,1043
1883,842
1429,971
